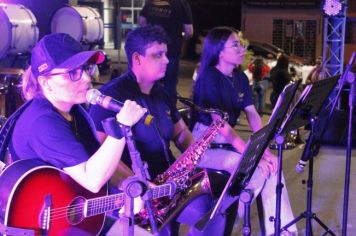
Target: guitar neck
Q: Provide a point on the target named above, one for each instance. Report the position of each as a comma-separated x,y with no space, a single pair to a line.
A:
104,204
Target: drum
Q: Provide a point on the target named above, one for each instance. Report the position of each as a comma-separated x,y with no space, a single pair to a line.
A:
18,29
82,23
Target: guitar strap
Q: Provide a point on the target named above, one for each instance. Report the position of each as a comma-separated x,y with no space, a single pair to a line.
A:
6,130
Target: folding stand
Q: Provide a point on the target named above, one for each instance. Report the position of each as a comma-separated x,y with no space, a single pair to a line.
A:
241,174
278,115
136,187
246,197
250,158
305,111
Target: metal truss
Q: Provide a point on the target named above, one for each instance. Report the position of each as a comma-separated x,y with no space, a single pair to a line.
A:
333,43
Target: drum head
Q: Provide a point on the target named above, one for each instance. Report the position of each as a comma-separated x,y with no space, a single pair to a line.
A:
67,20
5,33
18,29
82,23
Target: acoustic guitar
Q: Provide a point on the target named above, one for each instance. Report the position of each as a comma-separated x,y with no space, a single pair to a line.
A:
36,196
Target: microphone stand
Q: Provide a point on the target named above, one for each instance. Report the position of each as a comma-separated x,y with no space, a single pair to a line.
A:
136,186
311,149
351,81
279,139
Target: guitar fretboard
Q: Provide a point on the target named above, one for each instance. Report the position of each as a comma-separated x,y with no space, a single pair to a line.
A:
104,204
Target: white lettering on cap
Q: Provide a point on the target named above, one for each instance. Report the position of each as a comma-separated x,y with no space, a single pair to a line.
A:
42,67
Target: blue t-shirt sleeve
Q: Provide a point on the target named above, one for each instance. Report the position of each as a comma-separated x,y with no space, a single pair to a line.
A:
246,89
54,141
175,114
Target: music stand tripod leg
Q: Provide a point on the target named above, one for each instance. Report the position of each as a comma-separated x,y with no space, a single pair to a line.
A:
132,188
277,219
246,197
309,150
351,80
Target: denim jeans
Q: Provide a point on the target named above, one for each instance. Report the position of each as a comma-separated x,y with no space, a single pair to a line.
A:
258,92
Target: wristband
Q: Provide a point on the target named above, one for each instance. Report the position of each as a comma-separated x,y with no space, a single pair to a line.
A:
113,128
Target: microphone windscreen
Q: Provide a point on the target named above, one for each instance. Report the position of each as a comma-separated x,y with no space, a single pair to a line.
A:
93,96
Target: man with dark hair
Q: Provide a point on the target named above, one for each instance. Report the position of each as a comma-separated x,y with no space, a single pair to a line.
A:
176,18
146,50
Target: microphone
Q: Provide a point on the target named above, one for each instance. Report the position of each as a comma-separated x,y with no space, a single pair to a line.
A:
299,168
95,97
311,149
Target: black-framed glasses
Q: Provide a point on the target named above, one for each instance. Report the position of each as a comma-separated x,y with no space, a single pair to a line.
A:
77,73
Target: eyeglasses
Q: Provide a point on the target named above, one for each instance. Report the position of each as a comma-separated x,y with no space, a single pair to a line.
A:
77,73
237,46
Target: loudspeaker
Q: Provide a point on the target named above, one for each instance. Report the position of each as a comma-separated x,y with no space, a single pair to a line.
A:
336,130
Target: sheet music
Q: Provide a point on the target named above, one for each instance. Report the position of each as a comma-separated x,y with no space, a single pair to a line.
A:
309,104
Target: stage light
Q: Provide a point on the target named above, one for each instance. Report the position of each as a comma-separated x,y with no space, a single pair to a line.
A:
332,7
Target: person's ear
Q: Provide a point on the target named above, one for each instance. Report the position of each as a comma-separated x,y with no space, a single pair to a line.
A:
136,58
44,83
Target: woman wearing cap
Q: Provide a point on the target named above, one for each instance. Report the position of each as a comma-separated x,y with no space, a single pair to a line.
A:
54,127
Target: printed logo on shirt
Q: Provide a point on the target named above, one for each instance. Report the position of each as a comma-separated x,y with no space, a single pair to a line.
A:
168,112
161,9
240,97
160,3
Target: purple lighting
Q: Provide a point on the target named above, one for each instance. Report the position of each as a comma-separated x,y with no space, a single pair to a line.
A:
332,7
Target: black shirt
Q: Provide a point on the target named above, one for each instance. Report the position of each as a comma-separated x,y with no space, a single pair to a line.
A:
213,89
171,15
152,140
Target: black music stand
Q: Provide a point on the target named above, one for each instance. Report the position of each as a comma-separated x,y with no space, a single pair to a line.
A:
241,174
256,146
304,112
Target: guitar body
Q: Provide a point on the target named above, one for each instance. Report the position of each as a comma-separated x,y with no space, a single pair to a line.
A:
26,184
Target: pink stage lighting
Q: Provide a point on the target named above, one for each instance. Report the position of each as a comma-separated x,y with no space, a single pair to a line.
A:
332,7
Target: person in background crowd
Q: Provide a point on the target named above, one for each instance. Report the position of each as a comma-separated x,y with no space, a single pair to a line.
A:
293,74
221,85
316,73
146,50
55,128
175,17
259,71
280,77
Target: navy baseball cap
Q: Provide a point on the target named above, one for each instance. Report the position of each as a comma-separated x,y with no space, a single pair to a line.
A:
60,50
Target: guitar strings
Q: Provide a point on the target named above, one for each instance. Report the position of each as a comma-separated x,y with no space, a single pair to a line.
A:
78,209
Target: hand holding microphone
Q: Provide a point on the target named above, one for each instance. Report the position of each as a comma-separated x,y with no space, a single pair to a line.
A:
95,97
130,113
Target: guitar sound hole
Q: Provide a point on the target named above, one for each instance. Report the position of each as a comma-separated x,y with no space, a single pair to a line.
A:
75,211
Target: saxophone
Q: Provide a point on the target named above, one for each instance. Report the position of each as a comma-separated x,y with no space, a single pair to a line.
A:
190,181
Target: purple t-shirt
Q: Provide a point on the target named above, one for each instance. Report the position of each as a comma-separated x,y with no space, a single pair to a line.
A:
42,133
